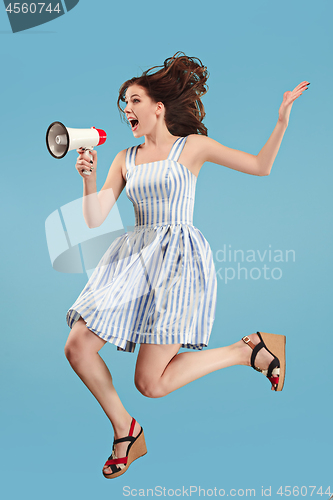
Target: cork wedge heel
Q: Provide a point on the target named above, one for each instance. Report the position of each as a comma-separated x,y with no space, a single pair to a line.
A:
276,346
136,449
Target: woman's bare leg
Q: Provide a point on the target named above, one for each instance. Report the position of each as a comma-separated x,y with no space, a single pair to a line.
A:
160,370
81,350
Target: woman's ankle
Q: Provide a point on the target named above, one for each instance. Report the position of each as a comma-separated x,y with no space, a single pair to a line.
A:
123,427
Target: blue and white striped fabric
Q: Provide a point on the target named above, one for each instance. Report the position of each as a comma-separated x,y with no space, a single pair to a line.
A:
157,283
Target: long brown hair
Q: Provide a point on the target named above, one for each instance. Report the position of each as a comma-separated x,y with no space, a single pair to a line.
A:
179,85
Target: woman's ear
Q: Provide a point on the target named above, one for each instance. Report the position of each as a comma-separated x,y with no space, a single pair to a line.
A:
159,108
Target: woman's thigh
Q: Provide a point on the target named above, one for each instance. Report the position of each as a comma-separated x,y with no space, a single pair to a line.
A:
81,338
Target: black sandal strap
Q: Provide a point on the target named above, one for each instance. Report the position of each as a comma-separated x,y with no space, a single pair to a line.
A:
274,364
258,333
114,468
255,351
122,440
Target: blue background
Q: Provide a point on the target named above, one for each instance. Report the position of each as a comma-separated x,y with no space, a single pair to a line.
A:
226,430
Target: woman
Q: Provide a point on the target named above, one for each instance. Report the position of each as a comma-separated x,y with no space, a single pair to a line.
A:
156,285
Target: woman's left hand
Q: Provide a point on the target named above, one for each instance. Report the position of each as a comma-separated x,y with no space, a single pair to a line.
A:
288,99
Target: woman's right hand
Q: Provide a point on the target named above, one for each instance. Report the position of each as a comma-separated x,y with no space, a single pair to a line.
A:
288,99
84,162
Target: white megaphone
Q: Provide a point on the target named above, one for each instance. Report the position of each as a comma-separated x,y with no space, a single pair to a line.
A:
61,139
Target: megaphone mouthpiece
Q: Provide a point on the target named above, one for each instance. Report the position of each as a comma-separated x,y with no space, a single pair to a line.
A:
102,136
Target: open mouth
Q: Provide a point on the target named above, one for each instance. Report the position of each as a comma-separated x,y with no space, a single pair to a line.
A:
134,124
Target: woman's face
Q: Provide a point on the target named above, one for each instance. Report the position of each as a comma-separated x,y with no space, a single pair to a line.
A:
141,111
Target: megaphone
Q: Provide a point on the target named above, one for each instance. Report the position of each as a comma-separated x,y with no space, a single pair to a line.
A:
61,139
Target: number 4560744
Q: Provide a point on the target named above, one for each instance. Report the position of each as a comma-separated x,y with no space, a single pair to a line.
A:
303,491
32,8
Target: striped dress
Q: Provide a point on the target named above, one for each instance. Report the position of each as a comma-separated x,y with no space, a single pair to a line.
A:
157,283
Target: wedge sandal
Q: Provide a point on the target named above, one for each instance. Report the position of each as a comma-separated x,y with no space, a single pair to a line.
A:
136,449
276,346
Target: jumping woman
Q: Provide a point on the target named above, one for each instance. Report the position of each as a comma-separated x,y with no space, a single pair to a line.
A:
156,285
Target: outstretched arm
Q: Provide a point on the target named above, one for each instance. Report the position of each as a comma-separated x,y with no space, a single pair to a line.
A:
260,164
267,154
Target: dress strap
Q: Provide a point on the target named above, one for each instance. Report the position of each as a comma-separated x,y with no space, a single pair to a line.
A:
177,148
130,157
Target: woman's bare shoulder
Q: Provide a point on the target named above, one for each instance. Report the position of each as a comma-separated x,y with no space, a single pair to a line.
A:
197,142
197,138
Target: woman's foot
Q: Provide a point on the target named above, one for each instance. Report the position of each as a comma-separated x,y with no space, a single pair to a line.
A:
263,358
120,449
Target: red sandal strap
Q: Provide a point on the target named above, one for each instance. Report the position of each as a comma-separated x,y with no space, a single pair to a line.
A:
132,427
116,461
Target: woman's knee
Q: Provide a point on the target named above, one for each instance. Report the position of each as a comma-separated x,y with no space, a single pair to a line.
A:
148,387
150,366
76,344
73,351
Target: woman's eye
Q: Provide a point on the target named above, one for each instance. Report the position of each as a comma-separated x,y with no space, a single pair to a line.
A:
134,100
